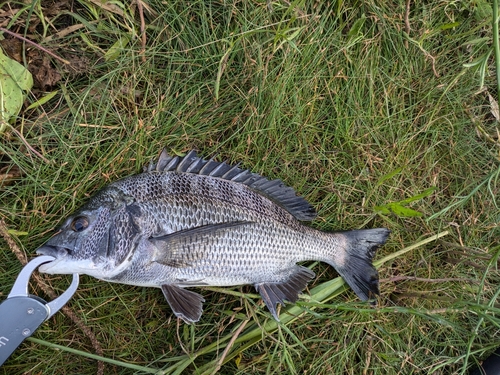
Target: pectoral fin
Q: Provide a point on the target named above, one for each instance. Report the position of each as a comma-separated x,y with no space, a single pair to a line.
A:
180,249
274,293
185,304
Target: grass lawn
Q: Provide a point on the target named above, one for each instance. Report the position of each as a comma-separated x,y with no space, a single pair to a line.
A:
379,113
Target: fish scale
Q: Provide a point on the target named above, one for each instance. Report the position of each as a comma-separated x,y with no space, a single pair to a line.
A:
188,222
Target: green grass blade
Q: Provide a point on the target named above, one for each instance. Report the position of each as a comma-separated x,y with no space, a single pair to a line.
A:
130,366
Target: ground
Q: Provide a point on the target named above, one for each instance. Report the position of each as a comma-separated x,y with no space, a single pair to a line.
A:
381,115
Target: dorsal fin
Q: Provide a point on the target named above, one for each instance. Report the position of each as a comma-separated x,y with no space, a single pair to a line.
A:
275,190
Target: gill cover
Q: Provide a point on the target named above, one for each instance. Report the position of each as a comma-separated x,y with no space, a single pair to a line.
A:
123,234
116,232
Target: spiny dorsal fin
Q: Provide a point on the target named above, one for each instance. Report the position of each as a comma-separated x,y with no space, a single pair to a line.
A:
275,190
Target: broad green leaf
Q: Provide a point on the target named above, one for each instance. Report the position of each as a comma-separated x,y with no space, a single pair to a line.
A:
403,211
417,197
356,29
382,210
451,25
15,79
397,209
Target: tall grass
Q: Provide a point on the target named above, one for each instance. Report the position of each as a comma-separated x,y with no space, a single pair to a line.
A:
357,105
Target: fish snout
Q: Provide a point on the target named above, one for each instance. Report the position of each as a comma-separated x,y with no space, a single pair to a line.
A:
58,265
55,251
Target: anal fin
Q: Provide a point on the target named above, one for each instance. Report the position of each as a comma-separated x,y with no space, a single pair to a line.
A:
278,292
185,304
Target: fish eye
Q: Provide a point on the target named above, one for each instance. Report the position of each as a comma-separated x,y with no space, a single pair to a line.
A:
79,223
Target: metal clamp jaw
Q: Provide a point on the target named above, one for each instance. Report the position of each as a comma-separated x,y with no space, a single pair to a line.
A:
22,313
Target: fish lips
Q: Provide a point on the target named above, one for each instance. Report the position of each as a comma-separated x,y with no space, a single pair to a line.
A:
60,253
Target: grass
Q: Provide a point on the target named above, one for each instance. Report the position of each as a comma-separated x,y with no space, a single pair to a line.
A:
338,99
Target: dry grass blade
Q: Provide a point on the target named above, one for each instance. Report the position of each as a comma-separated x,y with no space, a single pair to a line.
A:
36,45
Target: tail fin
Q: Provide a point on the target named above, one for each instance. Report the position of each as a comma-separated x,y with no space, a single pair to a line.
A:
356,267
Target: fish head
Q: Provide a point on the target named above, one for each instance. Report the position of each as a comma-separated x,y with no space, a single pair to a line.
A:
84,242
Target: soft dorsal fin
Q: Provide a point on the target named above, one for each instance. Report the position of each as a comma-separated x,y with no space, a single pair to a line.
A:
275,190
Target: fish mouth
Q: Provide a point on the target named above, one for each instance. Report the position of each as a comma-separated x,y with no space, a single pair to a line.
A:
54,251
59,253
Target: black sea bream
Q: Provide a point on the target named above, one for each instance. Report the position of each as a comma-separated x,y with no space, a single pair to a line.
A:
188,222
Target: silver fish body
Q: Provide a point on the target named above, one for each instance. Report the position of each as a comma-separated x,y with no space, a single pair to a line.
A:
188,222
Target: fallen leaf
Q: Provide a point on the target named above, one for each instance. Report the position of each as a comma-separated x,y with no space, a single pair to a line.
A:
494,107
44,74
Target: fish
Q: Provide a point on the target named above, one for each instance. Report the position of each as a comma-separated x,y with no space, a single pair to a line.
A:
190,222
